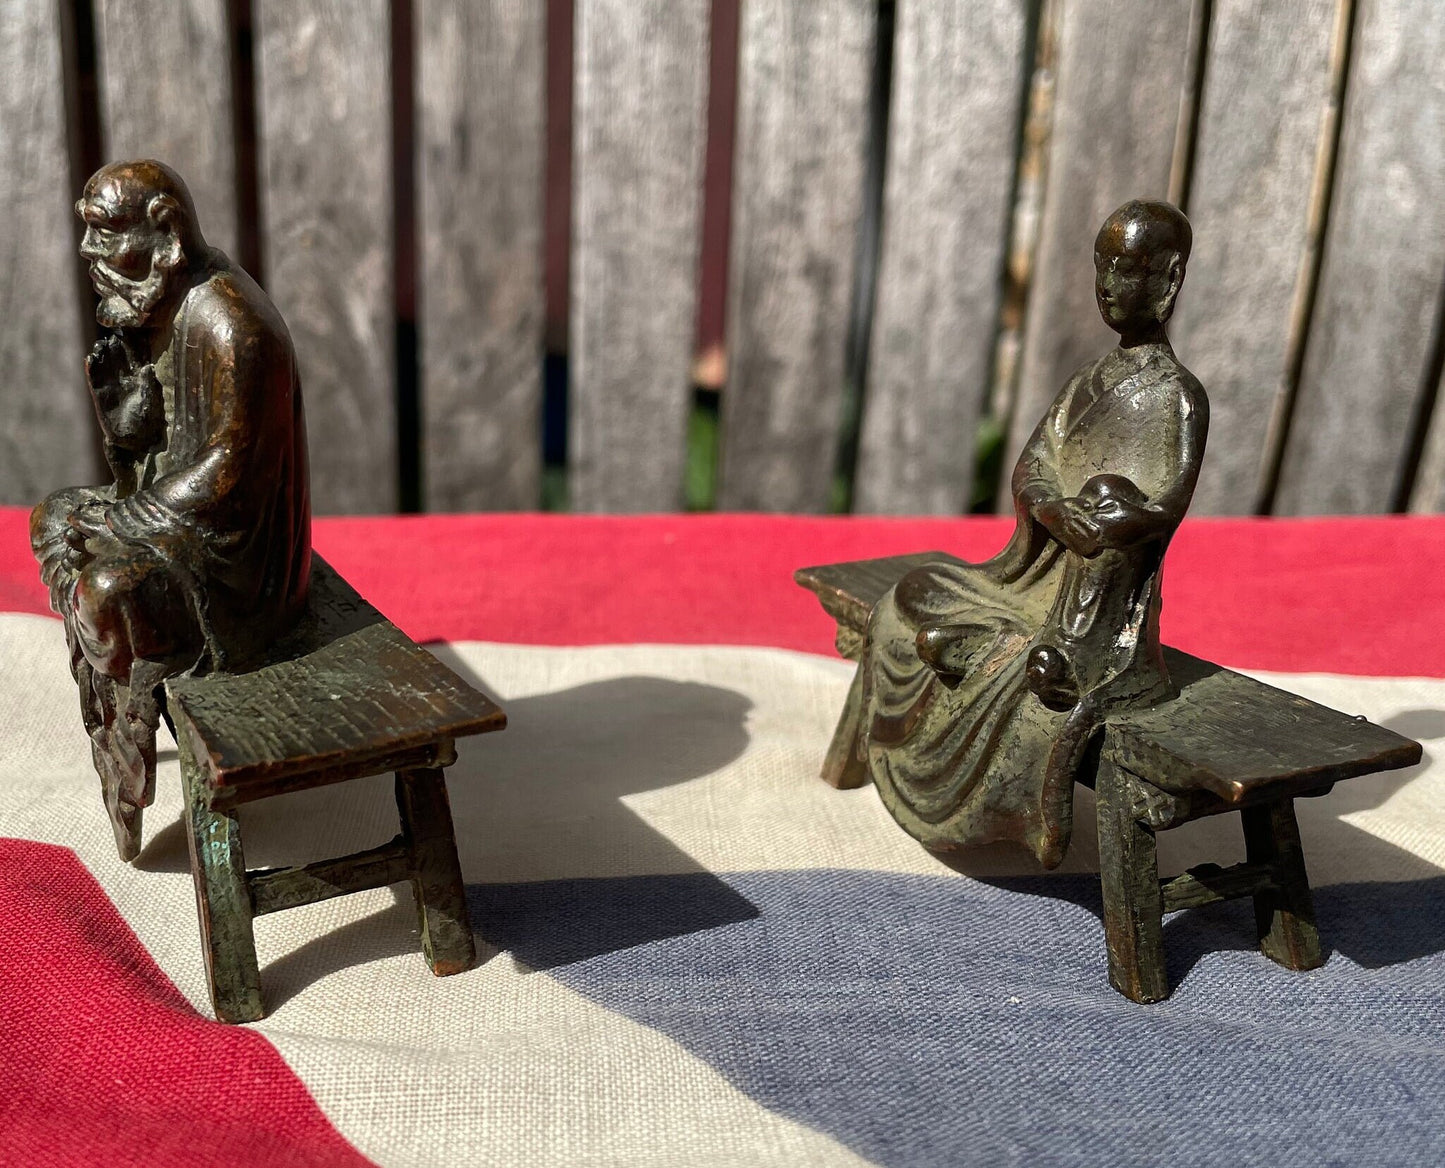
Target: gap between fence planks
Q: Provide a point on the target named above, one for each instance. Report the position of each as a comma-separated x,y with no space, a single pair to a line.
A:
324,120
1380,281
479,170
952,138
639,111
165,74
803,90
1429,488
324,94
1123,69
47,440
1268,78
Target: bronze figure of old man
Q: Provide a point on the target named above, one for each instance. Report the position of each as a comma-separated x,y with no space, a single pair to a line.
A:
980,686
197,556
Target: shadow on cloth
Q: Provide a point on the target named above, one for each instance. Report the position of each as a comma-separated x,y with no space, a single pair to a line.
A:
926,1020
543,825
1362,918
539,813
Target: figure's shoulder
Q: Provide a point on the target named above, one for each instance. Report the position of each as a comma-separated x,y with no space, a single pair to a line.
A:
1083,373
1065,397
231,310
1188,390
1171,383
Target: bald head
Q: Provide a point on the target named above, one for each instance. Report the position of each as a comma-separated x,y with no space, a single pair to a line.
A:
1139,258
125,192
1156,230
140,235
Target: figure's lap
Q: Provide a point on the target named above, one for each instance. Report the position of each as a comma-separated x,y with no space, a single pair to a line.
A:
955,594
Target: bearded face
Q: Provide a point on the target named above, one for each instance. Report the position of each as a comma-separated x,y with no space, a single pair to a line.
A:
132,258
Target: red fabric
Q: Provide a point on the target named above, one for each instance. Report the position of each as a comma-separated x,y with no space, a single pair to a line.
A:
105,1063
1339,595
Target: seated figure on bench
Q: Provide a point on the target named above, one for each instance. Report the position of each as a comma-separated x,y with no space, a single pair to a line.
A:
198,554
980,686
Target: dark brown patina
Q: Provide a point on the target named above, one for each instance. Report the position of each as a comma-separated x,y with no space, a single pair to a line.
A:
197,555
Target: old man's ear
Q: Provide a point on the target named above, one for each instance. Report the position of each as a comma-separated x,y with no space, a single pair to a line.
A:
163,212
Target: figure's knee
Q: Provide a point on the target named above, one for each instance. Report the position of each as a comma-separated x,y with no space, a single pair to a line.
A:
127,606
883,614
50,520
924,593
99,605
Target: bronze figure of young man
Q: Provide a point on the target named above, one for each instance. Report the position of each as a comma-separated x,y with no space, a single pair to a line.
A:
981,685
198,554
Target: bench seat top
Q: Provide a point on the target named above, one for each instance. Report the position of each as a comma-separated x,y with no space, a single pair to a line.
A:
343,688
1229,735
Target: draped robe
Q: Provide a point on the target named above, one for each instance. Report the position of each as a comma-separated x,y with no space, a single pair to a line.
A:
971,755
206,553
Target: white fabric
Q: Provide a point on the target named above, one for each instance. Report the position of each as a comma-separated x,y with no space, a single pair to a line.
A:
618,761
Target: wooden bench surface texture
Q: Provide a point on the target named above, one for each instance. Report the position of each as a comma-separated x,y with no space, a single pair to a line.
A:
344,686
1227,734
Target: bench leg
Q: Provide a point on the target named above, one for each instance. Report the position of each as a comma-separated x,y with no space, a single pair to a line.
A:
1284,912
223,902
1133,905
842,768
441,897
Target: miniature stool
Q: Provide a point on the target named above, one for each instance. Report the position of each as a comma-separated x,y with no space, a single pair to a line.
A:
1226,743
345,695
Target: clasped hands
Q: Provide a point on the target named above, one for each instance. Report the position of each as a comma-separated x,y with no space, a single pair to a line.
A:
127,396
1109,512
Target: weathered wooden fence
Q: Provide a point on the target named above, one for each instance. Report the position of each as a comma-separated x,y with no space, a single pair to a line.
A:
914,188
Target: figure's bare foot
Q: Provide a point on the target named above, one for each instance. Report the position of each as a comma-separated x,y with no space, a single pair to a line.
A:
1050,678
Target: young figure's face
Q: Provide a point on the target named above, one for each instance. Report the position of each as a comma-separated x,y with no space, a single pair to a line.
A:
1134,288
123,243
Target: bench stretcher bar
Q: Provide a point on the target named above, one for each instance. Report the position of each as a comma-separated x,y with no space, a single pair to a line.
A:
1209,883
274,889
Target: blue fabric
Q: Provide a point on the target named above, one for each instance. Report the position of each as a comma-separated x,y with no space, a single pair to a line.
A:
948,1021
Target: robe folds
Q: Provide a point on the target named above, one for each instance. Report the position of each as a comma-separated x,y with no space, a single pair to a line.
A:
204,557
971,755
211,526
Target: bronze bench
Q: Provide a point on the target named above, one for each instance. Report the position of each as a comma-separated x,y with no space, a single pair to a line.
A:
345,695
1227,743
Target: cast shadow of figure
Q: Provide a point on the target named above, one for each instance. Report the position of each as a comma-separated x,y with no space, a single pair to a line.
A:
541,821
1374,902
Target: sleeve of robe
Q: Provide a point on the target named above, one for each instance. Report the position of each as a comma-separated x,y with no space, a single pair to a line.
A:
238,497
1162,458
1035,481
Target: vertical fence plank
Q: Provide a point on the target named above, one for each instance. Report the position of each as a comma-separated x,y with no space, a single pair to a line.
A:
1429,486
1123,68
1380,278
47,439
803,90
953,127
479,175
323,71
1267,88
639,111
166,93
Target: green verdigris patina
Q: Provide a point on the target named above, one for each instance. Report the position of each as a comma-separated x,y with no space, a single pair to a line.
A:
981,686
984,691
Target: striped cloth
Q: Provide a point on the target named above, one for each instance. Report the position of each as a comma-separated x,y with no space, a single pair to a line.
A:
694,952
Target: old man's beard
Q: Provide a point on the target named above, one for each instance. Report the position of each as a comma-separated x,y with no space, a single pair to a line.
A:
126,303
